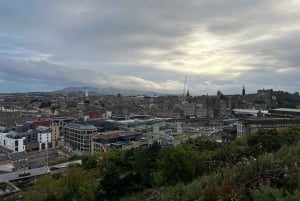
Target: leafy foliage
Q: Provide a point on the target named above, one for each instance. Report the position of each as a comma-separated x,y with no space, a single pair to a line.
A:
175,165
76,184
262,166
90,161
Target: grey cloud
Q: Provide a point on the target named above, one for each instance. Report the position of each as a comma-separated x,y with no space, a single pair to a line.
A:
91,42
277,52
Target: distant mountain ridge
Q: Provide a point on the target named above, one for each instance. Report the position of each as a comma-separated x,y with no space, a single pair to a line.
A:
108,91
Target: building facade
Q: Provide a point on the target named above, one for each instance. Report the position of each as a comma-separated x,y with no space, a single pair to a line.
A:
79,136
9,117
57,126
251,125
44,137
31,140
285,112
12,141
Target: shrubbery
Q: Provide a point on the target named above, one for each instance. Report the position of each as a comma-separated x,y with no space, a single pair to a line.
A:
265,165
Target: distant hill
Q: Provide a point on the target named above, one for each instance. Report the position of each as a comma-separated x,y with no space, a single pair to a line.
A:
108,91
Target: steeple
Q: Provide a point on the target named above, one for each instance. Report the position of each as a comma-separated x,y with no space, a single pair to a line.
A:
243,92
188,93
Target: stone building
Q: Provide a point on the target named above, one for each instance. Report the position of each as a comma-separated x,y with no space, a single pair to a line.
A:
250,125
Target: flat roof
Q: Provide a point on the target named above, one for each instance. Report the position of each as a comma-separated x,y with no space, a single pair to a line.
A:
286,110
24,174
43,129
269,119
108,136
63,118
115,134
265,118
81,126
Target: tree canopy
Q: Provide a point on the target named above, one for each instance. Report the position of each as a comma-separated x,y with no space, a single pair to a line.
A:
261,166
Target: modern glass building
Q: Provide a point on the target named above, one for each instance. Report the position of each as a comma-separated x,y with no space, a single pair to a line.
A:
78,136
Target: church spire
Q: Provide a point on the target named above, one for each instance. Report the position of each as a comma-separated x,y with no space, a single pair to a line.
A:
244,91
188,93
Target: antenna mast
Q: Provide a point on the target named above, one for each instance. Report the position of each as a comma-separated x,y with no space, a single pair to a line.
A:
184,86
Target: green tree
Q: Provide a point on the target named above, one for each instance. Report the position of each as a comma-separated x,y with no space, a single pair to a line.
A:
90,161
265,140
112,170
128,171
74,184
176,165
145,164
199,144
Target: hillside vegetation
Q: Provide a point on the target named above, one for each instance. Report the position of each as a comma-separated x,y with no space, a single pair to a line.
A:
262,166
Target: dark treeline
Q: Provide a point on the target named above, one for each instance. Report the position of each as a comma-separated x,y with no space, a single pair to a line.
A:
262,166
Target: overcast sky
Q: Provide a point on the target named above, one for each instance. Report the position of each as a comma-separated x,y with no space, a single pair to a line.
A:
150,45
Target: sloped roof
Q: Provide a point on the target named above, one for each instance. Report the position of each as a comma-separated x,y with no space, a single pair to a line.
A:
20,164
17,156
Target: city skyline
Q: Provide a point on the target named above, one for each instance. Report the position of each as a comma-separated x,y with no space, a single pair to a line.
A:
151,45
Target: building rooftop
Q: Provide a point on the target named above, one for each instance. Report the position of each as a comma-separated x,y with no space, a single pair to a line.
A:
107,136
128,133
286,110
17,156
81,126
264,118
269,119
4,157
36,163
13,134
24,174
20,164
116,135
7,188
2,129
43,129
63,118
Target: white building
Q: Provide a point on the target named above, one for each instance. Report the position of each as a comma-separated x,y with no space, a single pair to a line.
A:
12,141
44,137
